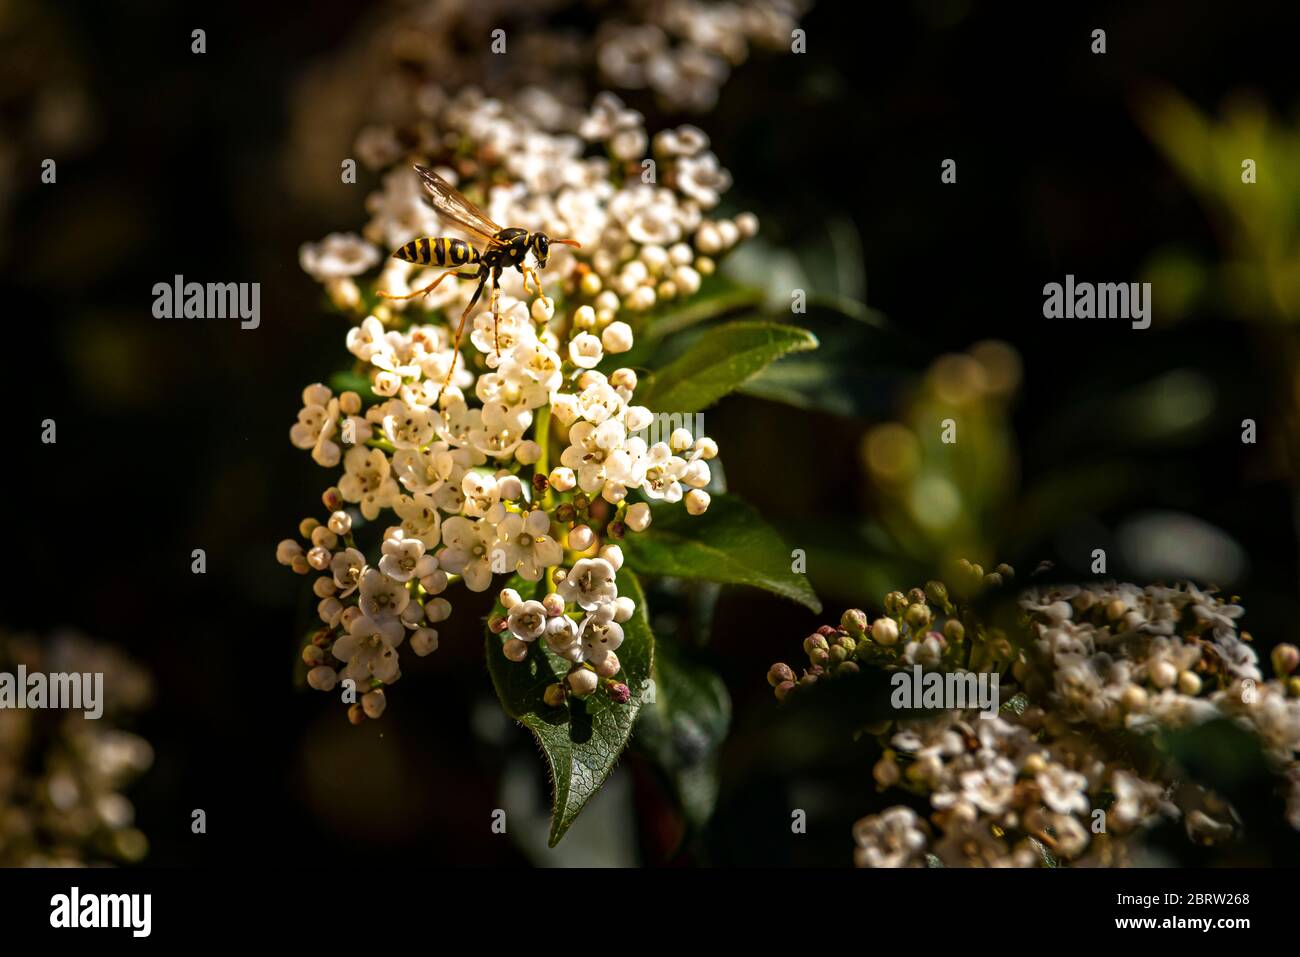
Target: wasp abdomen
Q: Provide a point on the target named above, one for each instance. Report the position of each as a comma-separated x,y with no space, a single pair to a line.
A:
439,251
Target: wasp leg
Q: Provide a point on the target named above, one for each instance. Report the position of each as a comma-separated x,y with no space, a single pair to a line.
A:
496,322
432,286
528,272
460,328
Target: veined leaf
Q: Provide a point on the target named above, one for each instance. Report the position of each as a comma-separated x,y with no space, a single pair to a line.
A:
721,360
683,728
728,544
582,739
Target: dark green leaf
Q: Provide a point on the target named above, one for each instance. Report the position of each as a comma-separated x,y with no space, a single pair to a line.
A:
855,370
720,360
583,739
728,544
683,728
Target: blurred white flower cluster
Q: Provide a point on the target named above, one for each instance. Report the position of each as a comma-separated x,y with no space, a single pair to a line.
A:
1056,774
61,774
684,50
460,484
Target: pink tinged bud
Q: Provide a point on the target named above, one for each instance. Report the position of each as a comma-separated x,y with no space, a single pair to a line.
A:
554,605
620,693
608,666
323,678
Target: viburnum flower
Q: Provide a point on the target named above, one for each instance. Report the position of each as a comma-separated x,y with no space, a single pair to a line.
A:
1087,666
522,453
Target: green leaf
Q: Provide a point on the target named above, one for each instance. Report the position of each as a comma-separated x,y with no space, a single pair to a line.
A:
720,360
582,740
683,728
856,369
717,296
728,544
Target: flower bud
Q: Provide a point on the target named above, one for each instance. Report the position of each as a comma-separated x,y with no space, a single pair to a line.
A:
340,523
895,602
508,598
954,630
554,605
778,673
1285,658
562,479
332,498
554,695
515,650
638,517
815,642
608,666
620,693
323,678
355,713
884,631
583,681
287,551
783,689
374,703
614,555
697,501
854,621
581,538
424,641
1189,683
937,592
918,617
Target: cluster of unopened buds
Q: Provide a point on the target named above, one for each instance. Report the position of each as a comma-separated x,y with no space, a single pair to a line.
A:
926,626
1050,778
581,622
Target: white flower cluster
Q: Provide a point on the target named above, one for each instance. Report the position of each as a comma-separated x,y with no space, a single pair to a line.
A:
644,223
458,482
593,633
1095,664
684,49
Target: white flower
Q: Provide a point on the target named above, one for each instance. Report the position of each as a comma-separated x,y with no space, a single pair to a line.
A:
892,838
562,638
401,555
527,620
382,601
528,544
599,636
408,427
336,256
663,473
1063,790
369,650
469,552
585,350
346,567
367,481
589,584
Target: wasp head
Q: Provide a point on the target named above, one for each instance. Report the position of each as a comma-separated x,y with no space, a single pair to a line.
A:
541,245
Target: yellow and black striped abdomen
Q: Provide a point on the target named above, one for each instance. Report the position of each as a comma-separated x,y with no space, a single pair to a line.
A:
438,251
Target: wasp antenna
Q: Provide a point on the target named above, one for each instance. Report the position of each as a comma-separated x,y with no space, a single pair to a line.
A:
568,242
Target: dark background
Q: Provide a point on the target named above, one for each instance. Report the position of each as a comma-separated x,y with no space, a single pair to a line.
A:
172,435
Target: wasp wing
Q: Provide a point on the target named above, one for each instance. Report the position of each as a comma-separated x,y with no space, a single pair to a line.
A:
455,207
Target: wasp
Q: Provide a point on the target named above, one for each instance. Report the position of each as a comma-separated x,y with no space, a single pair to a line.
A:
497,249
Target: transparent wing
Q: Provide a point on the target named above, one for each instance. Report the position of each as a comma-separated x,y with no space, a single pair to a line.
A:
456,207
